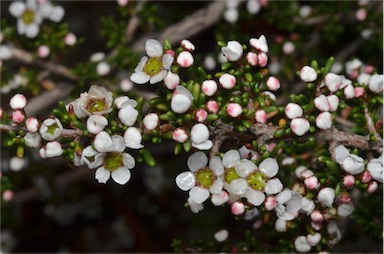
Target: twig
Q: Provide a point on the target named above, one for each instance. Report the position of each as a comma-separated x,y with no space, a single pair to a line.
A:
66,133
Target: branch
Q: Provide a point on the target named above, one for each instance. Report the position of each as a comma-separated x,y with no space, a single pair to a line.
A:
66,133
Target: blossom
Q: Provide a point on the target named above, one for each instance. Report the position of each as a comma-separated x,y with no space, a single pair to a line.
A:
375,83
238,208
97,101
288,48
308,74
179,135
96,123
123,101
233,51
322,103
200,137
32,139
53,13
43,51
341,153
16,163
171,80
262,59
333,102
91,157
18,116
252,58
181,100
261,116
187,45
259,44
353,164
70,39
51,129
212,106
299,126
103,142
221,235
51,149
128,115
273,83
103,68
201,115
301,244
253,6
155,66
375,168
293,110
151,121
326,196
132,138
29,17
333,82
18,101
118,166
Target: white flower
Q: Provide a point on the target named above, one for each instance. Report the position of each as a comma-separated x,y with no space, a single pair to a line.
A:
333,82
32,139
52,149
221,235
51,129
43,51
353,164
349,92
195,207
326,196
128,115
181,100
153,68
281,225
91,157
151,121
233,51
5,52
53,13
324,120
375,83
301,244
341,153
293,110
253,6
375,168
185,59
308,74
259,44
122,101
70,39
116,165
103,142
103,68
260,116
18,101
307,205
322,103
29,17
231,14
219,199
96,123
132,138
288,47
97,101
209,87
227,81
126,85
352,66
299,126
200,137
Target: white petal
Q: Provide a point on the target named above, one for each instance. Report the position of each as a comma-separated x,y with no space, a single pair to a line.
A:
216,165
231,158
17,8
180,103
245,167
140,77
184,91
255,197
273,186
199,194
118,143
32,30
199,133
197,161
121,175
341,152
284,196
269,167
217,186
128,115
141,64
158,77
132,138
167,60
57,14
301,244
102,175
103,142
206,145
153,48
185,180
239,186
128,160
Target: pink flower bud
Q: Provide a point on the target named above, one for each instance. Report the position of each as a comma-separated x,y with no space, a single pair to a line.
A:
333,101
293,110
288,48
219,199
171,80
270,203
262,59
185,59
316,225
326,196
312,182
212,106
43,51
308,74
179,135
359,92
324,120
349,181
187,45
321,102
32,124
209,87
18,116
170,52
317,216
8,195
251,58
349,92
227,81
344,198
273,83
261,116
372,187
201,115
332,81
299,126
368,69
361,14
366,177
18,101
234,109
237,208
70,39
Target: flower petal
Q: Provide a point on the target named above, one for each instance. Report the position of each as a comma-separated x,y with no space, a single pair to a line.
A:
102,175
141,64
158,77
140,78
206,145
185,180
32,30
121,175
128,160
153,48
197,161
167,60
231,158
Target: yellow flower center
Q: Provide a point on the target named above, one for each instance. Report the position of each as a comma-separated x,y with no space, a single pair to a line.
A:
113,161
51,129
230,175
153,66
256,181
28,17
205,177
96,105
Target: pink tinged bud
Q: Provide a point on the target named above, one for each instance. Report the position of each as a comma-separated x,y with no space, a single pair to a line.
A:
187,45
151,121
369,69
359,92
32,124
8,195
353,164
234,109
326,196
259,44
293,110
252,58
312,183
349,181
270,203
306,173
324,120
221,235
261,116
18,101
70,39
227,81
375,83
209,87
349,92
316,225
233,51
317,216
299,126
361,14
366,177
321,103
273,83
43,51
220,199
179,135
212,106
171,80
237,208
308,74
301,244
288,48
201,115
372,187
262,59
333,81
344,198
185,59
333,101
299,170
314,239
18,116
122,2
170,52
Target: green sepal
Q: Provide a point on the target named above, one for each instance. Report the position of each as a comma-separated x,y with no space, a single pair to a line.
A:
148,158
187,146
279,133
178,148
20,151
162,107
167,44
202,72
225,66
328,65
248,77
196,91
269,108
